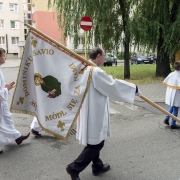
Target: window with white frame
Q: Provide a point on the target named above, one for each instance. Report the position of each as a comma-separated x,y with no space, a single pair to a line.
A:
13,7
1,6
80,40
14,24
15,40
33,24
1,23
33,8
2,40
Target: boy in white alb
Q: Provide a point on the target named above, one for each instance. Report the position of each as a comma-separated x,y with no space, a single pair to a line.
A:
8,133
172,81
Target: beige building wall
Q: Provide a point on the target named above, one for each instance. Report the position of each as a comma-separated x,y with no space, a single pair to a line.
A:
40,5
11,10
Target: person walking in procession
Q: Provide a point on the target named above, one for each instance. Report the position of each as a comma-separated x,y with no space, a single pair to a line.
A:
172,98
8,133
35,127
93,120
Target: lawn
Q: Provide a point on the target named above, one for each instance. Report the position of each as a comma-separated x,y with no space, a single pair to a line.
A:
140,74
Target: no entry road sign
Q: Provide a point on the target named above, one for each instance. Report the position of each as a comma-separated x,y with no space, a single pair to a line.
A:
86,23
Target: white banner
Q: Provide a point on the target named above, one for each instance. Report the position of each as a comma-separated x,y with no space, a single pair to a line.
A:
51,85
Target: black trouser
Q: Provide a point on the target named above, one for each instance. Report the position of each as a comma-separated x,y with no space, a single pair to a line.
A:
89,153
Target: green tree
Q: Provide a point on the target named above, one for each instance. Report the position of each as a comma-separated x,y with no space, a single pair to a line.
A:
111,22
156,25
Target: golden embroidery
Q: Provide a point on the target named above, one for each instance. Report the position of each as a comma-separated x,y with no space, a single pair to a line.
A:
72,104
173,87
82,70
33,103
43,51
74,70
21,100
55,116
33,43
25,70
77,90
61,125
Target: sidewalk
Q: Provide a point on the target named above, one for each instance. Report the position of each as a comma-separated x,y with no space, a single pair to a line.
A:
11,63
154,92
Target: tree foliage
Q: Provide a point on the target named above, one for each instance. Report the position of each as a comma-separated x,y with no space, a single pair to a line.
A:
156,26
111,22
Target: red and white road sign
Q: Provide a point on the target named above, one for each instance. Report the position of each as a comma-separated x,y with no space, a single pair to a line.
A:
86,23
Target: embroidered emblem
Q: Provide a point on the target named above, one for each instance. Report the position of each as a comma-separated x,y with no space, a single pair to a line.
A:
21,100
33,43
61,125
49,84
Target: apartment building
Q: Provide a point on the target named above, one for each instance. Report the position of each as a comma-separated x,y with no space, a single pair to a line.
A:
45,20
27,15
11,28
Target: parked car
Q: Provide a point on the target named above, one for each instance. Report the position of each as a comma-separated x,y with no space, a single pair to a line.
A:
141,60
110,60
113,58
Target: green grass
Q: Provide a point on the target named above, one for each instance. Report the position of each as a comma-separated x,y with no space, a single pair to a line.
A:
140,74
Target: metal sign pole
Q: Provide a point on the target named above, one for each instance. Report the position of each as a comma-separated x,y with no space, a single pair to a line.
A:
85,44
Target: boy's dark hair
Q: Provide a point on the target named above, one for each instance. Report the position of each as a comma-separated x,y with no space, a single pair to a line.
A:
94,52
2,51
177,65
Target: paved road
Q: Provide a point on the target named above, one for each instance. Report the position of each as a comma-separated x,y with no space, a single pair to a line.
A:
141,148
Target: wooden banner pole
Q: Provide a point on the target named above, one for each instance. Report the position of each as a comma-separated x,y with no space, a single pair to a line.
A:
60,45
160,108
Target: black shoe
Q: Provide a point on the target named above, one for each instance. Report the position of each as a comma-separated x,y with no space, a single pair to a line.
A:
22,138
36,133
174,127
106,167
1,151
166,121
72,173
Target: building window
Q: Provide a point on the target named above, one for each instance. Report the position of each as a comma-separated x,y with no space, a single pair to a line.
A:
33,8
1,6
25,31
33,24
15,40
29,7
80,40
14,25
13,7
1,23
2,40
29,16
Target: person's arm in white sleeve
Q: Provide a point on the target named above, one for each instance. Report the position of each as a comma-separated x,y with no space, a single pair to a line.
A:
117,89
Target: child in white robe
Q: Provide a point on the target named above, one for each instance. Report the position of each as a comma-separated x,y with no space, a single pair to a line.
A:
8,133
172,98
